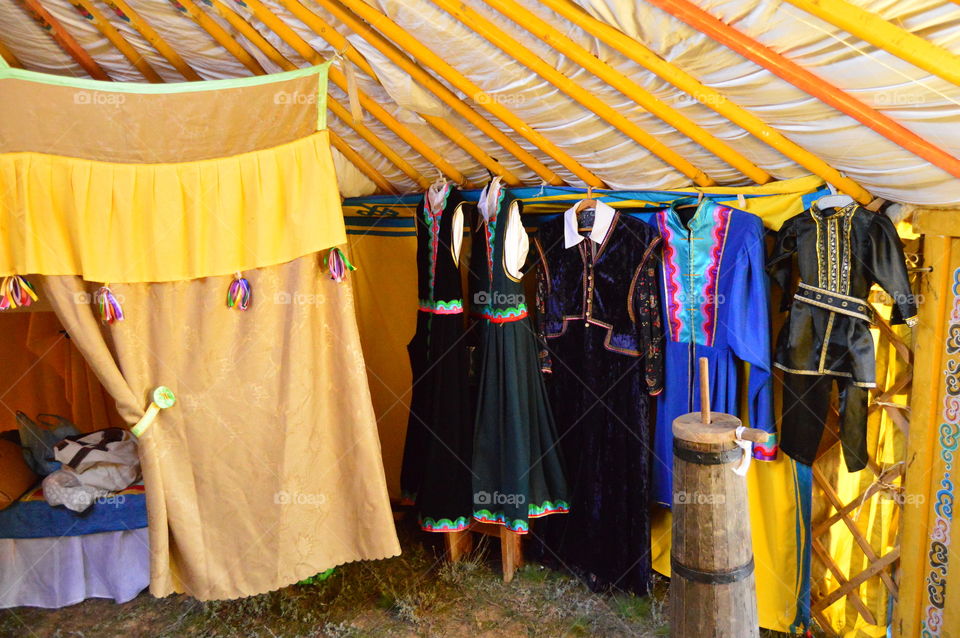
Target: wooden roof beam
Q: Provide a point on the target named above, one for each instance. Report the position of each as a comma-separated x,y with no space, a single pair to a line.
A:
90,12
402,131
9,57
219,34
882,34
448,97
480,97
554,37
384,149
806,81
64,40
303,48
357,160
496,36
123,11
706,95
247,30
340,43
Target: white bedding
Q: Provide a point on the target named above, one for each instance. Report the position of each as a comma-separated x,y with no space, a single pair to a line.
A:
56,572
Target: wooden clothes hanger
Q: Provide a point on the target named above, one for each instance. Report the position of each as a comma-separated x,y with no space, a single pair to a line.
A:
589,202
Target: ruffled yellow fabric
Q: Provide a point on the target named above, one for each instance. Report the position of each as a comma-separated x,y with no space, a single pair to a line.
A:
166,222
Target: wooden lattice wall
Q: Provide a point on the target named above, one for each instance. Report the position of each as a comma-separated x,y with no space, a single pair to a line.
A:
856,518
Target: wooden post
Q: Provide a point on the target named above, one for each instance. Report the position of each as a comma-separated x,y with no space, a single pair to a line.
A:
712,587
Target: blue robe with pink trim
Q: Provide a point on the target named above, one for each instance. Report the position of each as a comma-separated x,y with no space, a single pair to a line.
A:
715,302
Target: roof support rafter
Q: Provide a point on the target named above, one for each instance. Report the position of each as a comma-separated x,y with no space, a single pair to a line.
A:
427,57
706,95
124,12
401,130
384,149
554,37
357,160
89,11
250,33
884,35
64,40
340,43
9,57
496,36
806,81
218,33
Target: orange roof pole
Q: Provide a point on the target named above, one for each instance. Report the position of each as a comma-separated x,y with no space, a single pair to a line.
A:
63,38
9,57
819,88
218,33
246,30
126,13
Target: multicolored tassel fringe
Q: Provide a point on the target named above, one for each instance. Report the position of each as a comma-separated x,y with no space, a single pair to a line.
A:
240,293
338,265
107,305
16,291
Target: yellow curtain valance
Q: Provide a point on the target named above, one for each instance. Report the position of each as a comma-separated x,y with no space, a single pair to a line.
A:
109,222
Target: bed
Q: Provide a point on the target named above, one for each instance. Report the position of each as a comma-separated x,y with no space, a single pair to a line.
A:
52,557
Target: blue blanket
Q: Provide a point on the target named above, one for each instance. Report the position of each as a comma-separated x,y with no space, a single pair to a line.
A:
32,517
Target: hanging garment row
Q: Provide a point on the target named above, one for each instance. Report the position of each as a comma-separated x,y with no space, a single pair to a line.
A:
513,419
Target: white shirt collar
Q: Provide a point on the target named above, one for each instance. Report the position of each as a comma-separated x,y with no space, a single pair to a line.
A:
602,218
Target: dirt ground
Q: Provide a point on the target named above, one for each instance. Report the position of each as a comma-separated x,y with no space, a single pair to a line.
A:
413,595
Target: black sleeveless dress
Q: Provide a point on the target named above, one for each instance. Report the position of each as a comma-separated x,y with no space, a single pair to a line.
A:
435,474
517,468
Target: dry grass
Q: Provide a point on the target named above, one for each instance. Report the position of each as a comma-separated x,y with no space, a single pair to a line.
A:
416,594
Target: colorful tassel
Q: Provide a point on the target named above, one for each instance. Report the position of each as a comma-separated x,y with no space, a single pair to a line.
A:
16,291
240,293
107,305
338,265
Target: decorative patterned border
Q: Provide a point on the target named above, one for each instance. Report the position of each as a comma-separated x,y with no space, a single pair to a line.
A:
939,546
517,525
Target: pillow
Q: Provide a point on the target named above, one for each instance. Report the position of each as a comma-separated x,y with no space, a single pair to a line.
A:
16,477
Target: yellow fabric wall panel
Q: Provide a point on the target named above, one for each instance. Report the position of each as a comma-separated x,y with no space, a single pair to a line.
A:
385,284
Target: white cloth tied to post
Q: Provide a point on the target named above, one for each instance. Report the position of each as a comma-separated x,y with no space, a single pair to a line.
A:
747,448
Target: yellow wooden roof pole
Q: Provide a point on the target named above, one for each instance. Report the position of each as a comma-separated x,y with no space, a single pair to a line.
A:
599,107
341,44
480,97
245,29
401,130
357,160
708,96
220,35
151,36
117,40
887,36
424,79
555,38
383,148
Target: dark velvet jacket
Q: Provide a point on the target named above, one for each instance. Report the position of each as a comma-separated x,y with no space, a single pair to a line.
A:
840,254
611,286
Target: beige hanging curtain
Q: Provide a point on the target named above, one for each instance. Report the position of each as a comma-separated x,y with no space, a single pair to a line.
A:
268,468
